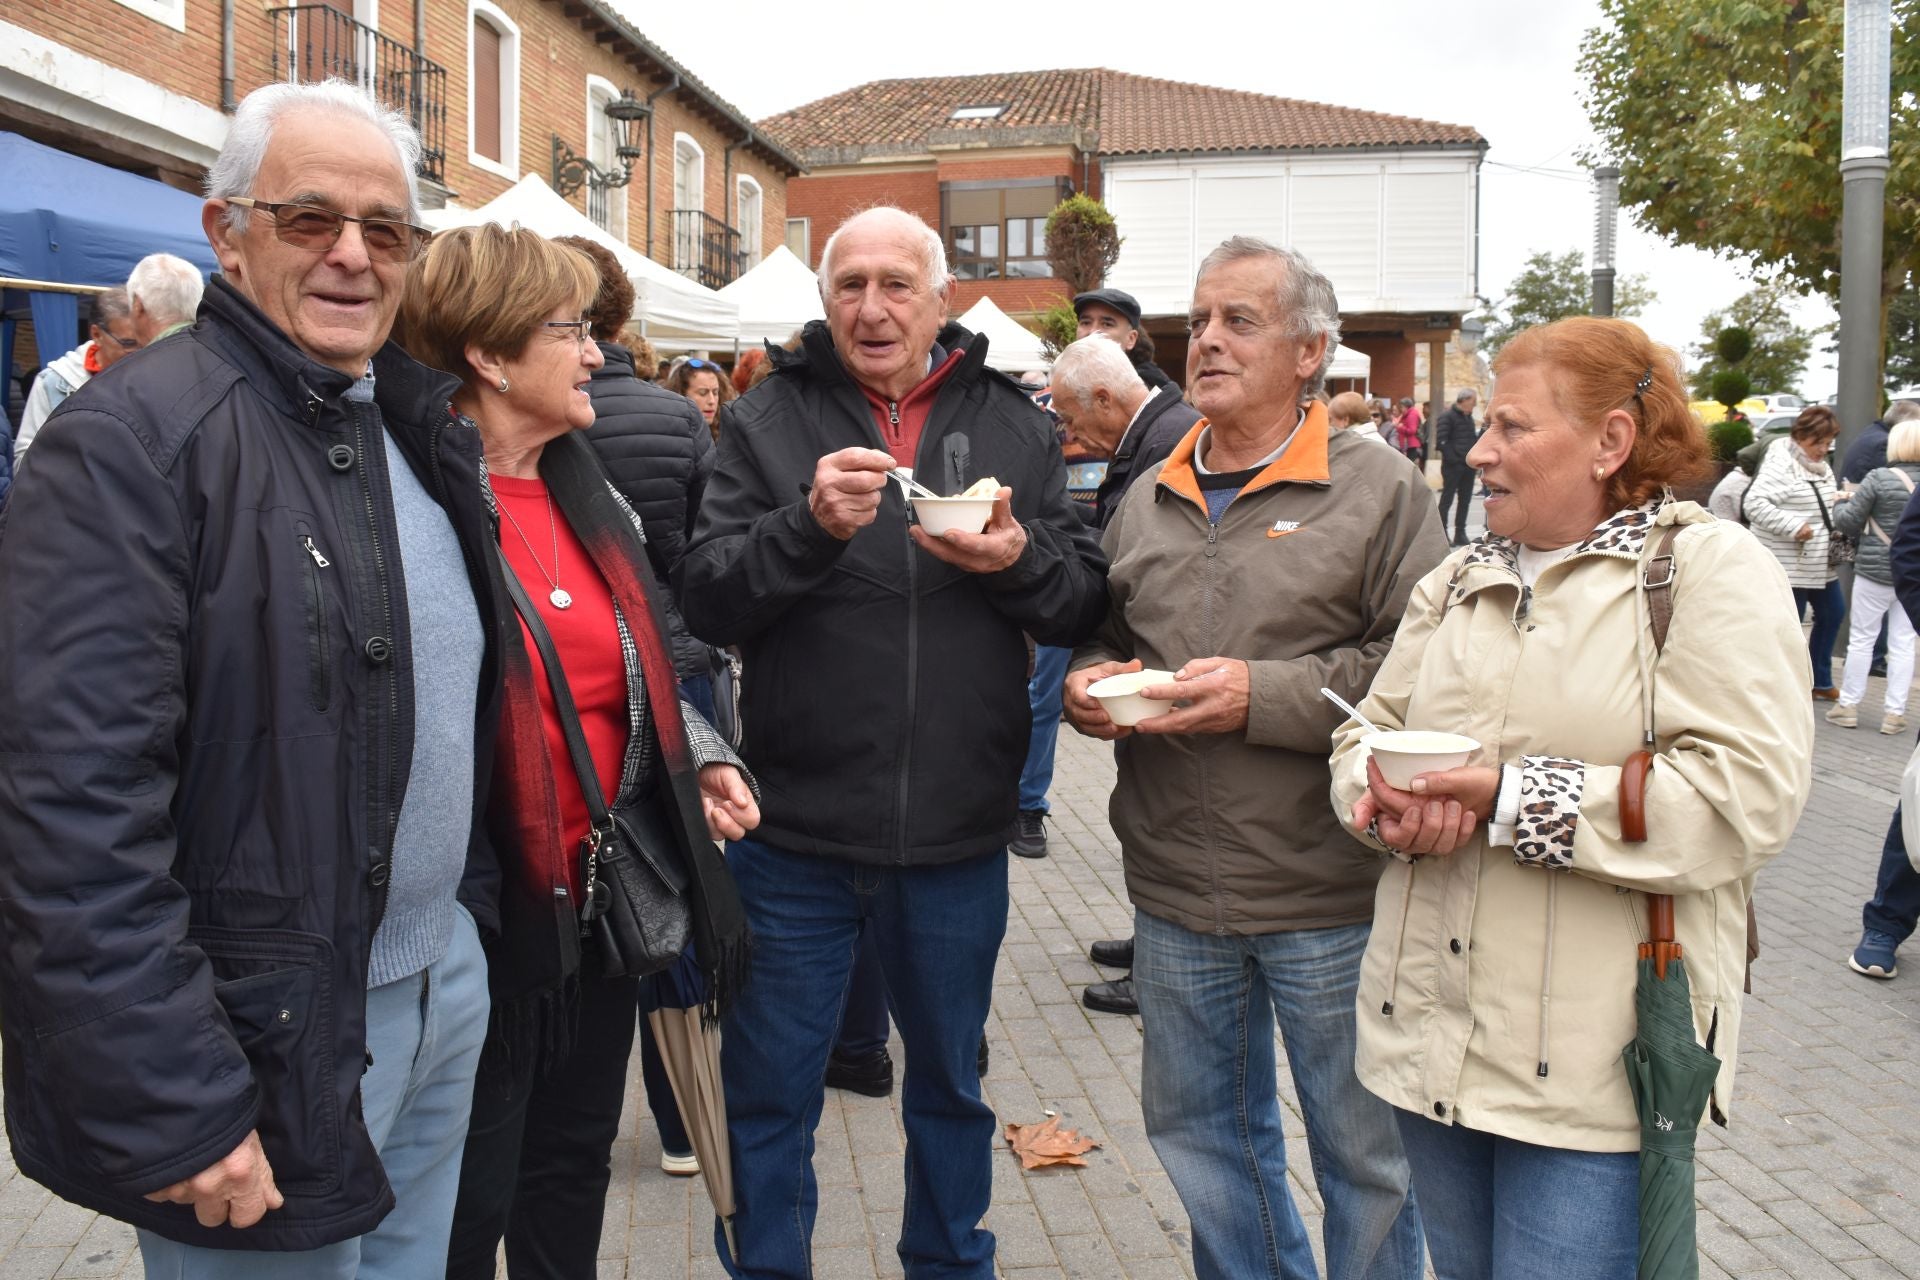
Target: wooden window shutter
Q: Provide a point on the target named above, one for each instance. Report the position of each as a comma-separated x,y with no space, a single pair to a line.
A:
486,91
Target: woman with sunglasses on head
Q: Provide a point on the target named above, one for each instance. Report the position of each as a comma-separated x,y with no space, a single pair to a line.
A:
702,382
503,310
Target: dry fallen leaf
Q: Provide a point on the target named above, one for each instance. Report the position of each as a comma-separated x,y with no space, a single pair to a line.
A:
1040,1145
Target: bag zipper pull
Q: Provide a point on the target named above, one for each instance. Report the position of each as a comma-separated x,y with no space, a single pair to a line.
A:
306,540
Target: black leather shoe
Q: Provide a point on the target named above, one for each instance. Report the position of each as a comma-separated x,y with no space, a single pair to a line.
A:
1112,953
1030,840
872,1075
1111,997
981,1060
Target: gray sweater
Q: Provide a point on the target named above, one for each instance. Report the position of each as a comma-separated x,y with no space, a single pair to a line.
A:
1880,498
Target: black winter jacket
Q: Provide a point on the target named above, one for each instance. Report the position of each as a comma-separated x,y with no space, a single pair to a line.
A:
206,713
1453,436
1163,423
885,691
659,452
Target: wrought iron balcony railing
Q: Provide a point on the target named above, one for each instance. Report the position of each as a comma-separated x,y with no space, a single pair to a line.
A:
706,248
317,41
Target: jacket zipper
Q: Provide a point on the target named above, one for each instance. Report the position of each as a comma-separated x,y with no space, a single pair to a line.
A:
1199,748
319,665
913,680
381,778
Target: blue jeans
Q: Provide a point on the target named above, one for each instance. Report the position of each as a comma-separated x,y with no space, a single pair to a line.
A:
1043,697
1895,908
1208,1004
424,1032
863,1024
1501,1209
1829,610
937,932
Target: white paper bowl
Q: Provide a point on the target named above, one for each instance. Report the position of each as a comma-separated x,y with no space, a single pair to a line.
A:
1406,753
944,515
1120,695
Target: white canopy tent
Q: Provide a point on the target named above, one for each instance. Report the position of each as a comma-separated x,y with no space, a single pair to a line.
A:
672,311
775,298
1348,363
1011,346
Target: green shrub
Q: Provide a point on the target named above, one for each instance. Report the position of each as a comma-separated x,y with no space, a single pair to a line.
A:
1729,438
1730,387
1083,243
1058,326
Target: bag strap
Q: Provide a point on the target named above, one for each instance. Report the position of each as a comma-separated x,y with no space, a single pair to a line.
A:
1660,591
562,700
1656,581
1825,519
1905,480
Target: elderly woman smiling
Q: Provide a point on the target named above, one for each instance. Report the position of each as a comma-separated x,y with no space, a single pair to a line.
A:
503,310
1513,892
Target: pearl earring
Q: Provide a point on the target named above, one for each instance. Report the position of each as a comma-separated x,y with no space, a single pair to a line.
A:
503,386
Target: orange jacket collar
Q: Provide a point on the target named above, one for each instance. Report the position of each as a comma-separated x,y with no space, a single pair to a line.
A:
1304,462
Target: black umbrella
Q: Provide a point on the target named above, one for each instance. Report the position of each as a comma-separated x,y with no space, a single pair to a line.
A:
1671,1077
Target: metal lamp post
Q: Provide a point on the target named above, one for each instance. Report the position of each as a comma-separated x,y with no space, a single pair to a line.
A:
571,172
1864,129
1606,210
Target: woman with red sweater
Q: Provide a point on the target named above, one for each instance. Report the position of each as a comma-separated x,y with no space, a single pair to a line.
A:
503,310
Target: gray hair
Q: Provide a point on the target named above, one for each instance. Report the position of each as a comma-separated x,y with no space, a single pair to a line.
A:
1466,393
1902,411
111,304
932,250
1305,296
237,167
1094,362
168,287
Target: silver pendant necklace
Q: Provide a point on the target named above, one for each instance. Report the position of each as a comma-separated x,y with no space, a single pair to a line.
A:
559,598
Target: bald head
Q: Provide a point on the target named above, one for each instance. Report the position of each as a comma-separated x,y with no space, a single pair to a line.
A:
887,221
883,278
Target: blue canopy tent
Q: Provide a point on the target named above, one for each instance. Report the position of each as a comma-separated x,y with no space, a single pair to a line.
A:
69,221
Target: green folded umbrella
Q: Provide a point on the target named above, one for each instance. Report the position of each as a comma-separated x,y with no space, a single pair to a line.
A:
1671,1077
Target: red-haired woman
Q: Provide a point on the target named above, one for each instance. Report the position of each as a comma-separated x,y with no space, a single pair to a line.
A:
1498,988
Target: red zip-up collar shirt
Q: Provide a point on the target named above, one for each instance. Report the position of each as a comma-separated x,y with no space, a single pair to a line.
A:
901,421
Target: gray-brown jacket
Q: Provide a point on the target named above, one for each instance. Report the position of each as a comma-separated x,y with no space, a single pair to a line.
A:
1305,578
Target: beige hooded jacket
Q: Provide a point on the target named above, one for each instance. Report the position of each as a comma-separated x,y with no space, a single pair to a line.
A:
1497,990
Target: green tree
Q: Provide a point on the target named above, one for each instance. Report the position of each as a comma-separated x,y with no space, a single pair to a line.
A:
1725,116
1083,242
1058,326
1780,347
1552,287
1903,337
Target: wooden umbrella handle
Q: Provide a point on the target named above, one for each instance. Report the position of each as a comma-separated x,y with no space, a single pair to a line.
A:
1633,828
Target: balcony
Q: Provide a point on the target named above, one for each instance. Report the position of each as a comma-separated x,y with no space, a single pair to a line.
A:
314,42
706,249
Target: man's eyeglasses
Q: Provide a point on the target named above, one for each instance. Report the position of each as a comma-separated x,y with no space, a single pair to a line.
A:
125,344
578,327
317,230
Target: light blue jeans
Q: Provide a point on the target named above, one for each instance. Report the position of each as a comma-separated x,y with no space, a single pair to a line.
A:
1501,1209
424,1032
1044,692
1208,1089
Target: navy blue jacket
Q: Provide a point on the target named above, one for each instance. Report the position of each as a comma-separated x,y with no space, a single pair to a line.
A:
206,714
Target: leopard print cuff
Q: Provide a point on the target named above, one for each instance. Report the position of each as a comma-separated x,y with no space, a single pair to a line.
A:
1550,790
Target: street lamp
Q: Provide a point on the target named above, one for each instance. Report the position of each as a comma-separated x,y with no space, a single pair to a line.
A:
1606,213
571,172
1864,128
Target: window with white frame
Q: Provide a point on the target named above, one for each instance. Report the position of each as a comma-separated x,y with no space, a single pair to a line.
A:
171,13
800,239
749,212
689,203
607,206
493,100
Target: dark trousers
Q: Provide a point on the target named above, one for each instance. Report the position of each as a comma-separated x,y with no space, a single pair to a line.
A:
1456,486
864,1022
1895,908
538,1155
1829,610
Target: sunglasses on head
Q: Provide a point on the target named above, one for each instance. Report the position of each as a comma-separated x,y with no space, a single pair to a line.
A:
694,362
317,230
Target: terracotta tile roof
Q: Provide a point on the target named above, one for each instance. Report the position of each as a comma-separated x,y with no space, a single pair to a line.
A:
1110,112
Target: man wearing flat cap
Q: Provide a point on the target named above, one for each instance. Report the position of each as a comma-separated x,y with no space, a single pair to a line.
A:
1117,315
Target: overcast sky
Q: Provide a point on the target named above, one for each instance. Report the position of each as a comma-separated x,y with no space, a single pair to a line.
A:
1505,67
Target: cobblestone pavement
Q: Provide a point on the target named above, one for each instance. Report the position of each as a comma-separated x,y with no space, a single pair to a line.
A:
1818,1178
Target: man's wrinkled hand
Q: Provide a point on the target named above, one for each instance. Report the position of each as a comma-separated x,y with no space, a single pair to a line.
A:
994,548
1217,692
728,802
845,497
1084,711
238,1190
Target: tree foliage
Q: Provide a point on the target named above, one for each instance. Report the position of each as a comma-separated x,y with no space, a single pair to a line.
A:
1903,337
1552,287
1058,326
1780,347
1728,438
1083,242
1724,116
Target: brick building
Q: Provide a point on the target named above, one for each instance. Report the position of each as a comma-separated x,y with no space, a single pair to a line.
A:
1386,205
498,88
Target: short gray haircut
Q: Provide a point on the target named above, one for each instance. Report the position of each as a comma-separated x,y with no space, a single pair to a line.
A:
111,304
1306,297
932,250
1466,393
1902,411
1092,363
237,167
168,287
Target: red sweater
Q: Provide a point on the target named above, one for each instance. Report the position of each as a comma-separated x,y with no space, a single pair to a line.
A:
901,423
584,635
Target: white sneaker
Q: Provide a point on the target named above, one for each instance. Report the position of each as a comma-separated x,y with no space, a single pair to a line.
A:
679,1166
1893,724
1843,715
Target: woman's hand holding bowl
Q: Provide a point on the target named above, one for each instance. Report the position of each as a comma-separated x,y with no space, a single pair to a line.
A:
1436,817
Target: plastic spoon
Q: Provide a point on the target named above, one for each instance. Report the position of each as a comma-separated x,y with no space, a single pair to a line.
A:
1350,709
905,477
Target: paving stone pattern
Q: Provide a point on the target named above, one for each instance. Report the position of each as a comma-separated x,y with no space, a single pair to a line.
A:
1819,1179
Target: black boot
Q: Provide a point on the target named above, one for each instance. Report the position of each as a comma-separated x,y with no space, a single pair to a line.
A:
1112,953
1111,997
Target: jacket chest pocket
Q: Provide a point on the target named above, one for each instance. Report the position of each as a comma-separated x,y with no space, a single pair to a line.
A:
319,648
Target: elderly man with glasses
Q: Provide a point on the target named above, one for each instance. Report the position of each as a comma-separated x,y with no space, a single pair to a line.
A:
247,692
109,337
